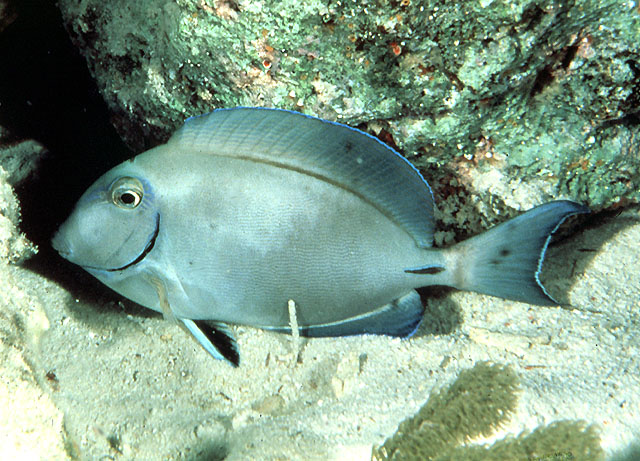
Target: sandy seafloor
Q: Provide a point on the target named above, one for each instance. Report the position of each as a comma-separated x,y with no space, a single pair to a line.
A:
128,385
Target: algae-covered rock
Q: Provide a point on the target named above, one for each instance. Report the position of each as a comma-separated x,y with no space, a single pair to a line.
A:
529,99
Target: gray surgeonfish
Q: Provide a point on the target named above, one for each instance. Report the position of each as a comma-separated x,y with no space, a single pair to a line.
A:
245,209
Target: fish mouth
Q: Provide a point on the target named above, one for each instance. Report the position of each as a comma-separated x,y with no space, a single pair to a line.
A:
145,252
60,244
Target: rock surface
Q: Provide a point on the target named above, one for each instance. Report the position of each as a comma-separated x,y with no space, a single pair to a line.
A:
539,96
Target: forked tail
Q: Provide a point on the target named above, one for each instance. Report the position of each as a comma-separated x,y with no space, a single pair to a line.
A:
506,260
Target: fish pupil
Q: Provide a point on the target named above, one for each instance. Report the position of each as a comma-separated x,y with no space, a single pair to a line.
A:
128,198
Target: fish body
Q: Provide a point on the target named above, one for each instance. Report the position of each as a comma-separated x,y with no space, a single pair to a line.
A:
245,209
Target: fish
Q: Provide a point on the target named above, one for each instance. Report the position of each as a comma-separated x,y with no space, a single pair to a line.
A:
246,209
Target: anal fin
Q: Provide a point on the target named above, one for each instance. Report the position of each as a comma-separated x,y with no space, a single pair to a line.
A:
400,317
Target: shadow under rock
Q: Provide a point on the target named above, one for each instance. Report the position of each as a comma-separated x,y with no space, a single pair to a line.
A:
571,250
210,451
442,315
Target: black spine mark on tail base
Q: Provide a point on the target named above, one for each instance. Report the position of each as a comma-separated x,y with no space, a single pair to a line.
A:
221,340
431,270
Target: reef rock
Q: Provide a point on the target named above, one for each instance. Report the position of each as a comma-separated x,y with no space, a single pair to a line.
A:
503,104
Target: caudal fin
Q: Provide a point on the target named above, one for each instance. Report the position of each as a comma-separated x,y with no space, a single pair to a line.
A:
506,260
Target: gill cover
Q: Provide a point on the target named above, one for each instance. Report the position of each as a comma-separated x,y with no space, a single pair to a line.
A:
113,226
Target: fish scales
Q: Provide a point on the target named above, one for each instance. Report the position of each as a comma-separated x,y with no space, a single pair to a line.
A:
245,209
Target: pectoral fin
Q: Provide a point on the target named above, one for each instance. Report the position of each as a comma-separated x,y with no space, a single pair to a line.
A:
216,338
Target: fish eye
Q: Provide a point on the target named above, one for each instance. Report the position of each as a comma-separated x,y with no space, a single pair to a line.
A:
127,193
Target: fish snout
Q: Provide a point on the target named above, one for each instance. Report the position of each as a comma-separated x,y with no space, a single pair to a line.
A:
61,244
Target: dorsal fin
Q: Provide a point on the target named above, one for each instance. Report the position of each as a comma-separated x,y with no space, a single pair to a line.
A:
332,152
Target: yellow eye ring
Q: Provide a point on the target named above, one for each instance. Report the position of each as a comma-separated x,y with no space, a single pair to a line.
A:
127,193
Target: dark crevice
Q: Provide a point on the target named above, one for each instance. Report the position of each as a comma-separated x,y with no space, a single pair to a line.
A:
543,79
47,94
